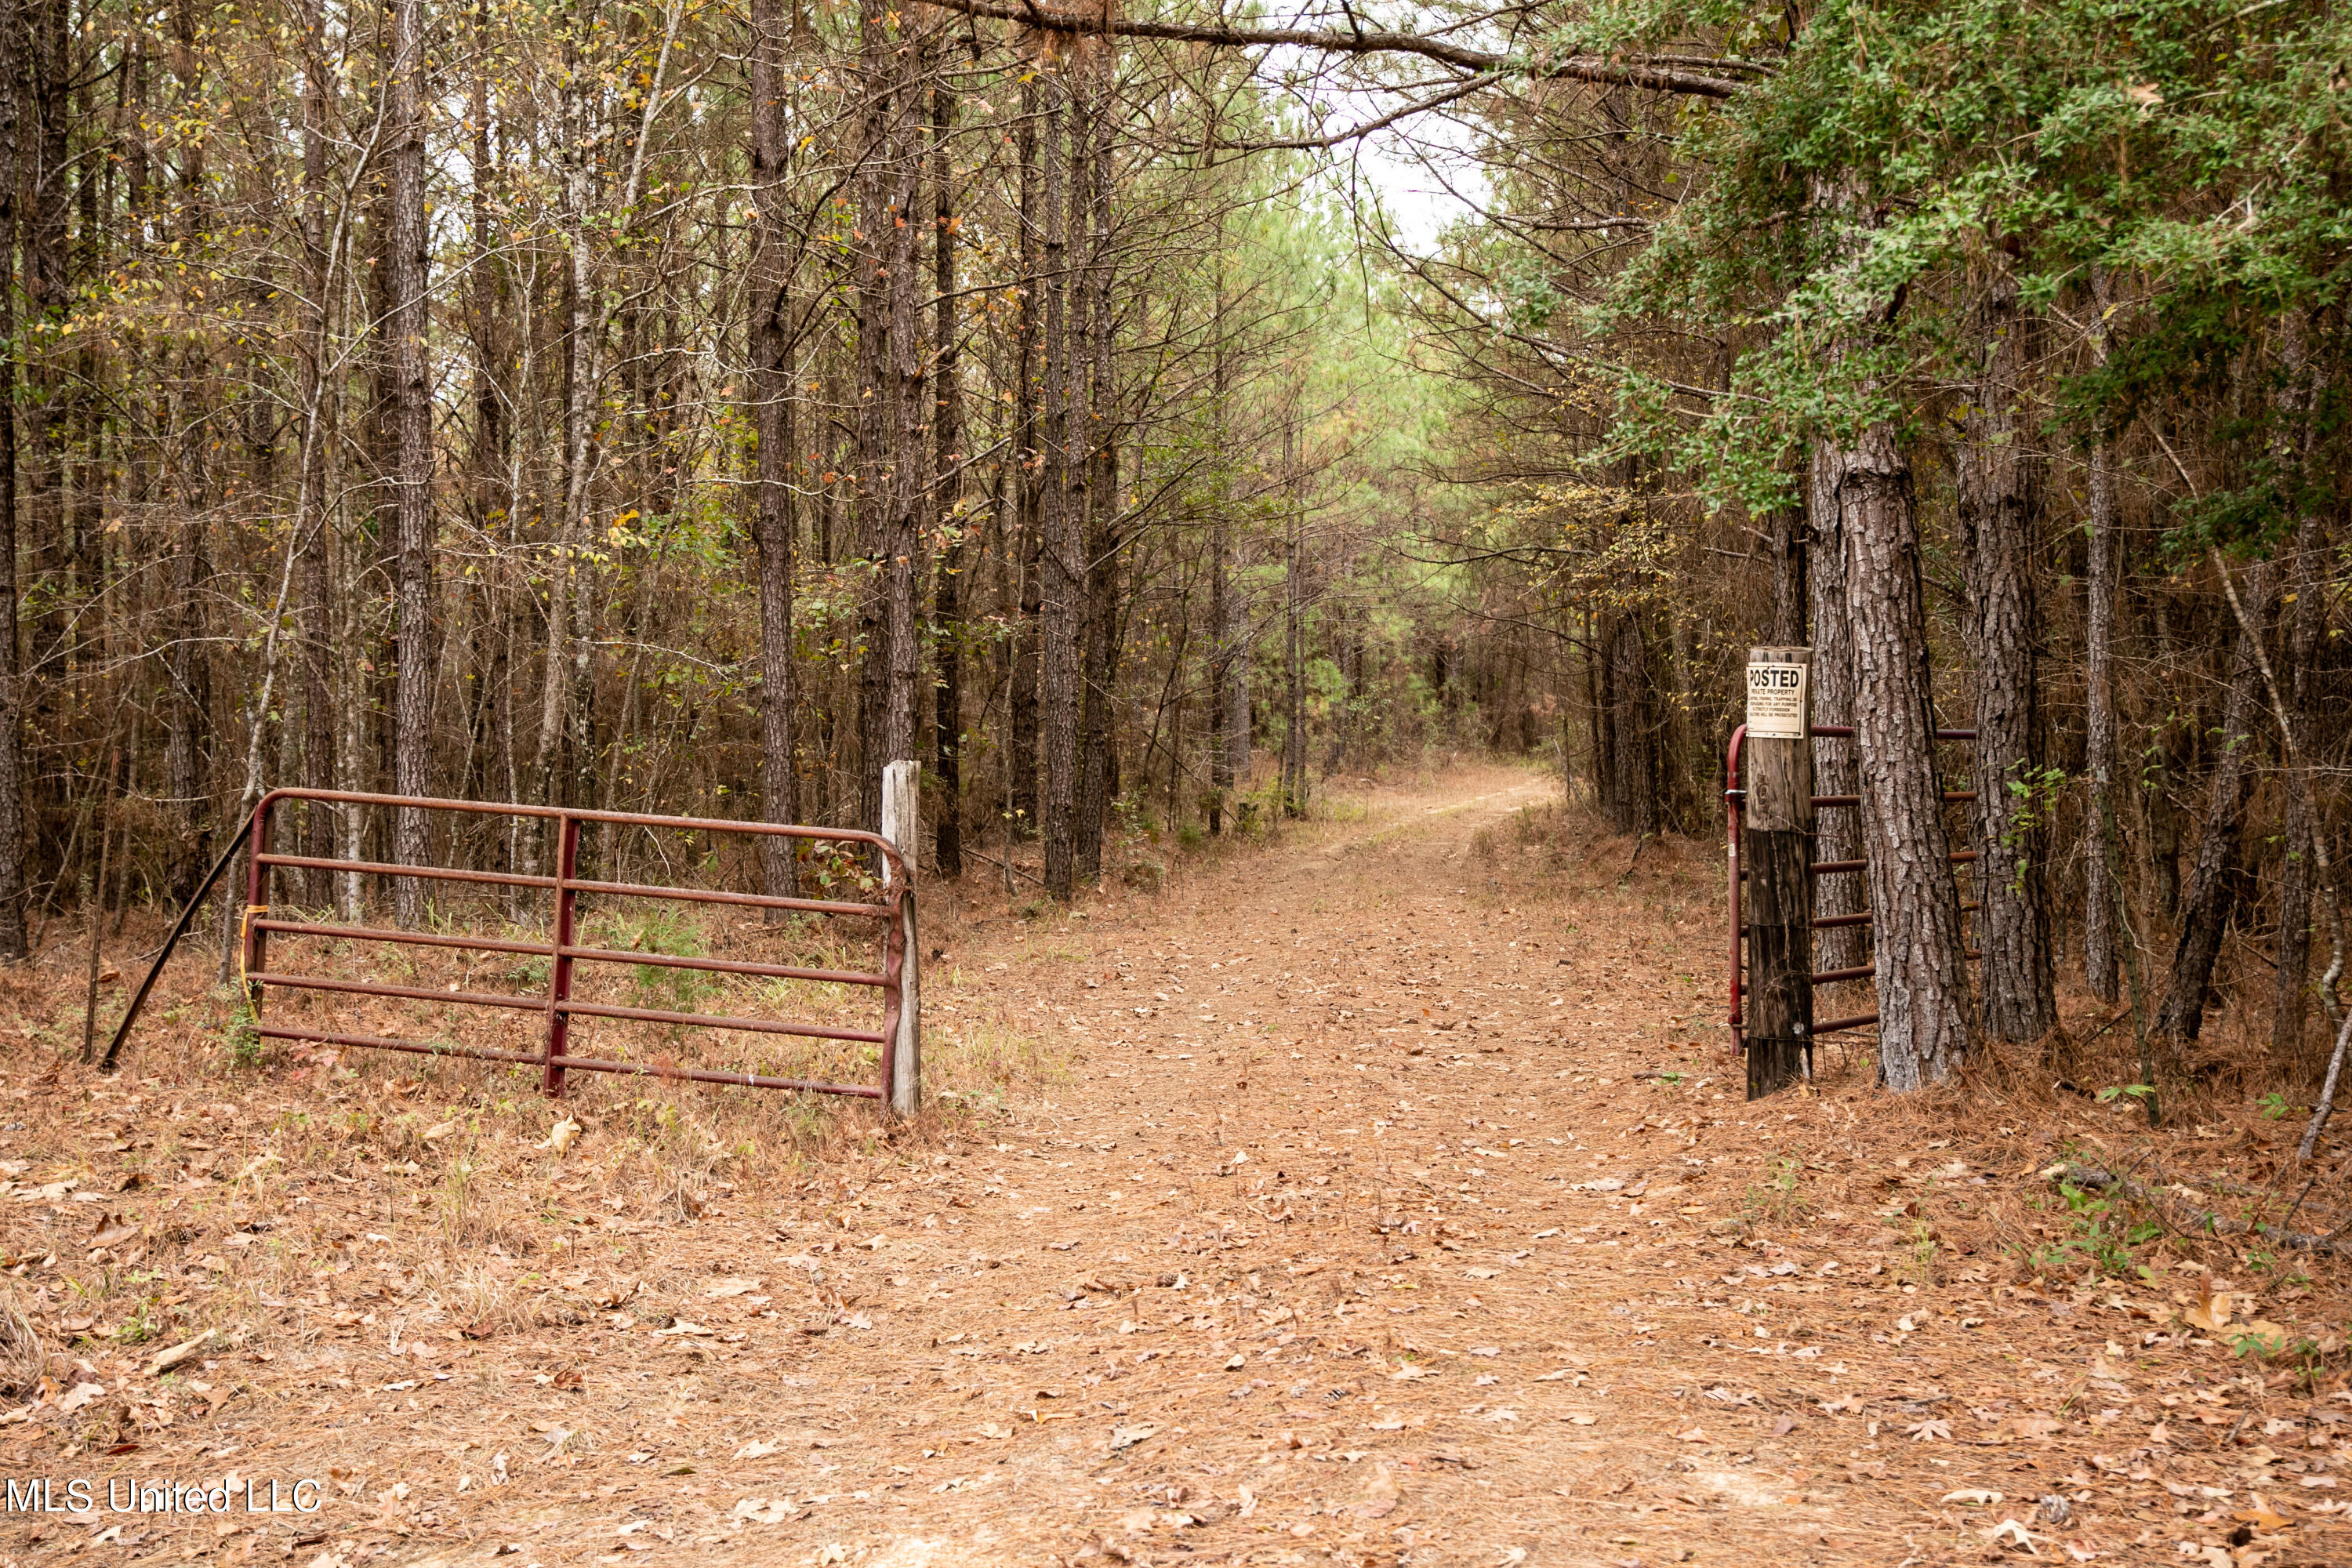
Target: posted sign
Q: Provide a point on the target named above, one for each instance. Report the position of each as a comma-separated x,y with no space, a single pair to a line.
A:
1776,701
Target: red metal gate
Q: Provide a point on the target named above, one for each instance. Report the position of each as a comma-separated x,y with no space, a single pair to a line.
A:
557,1004
1734,797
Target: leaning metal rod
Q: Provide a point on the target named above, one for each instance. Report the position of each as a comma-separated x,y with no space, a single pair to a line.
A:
178,930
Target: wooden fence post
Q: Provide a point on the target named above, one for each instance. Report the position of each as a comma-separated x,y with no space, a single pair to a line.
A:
1777,849
901,792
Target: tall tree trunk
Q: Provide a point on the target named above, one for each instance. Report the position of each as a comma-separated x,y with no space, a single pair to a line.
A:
2303,624
14,947
903,546
876,420
1922,980
947,443
1633,790
48,60
315,651
570,606
1097,459
1020,763
2206,903
2100,894
1221,620
1788,575
412,746
1062,575
1999,486
773,397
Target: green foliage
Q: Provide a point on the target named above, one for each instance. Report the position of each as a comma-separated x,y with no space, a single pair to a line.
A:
2191,148
672,932
2101,1236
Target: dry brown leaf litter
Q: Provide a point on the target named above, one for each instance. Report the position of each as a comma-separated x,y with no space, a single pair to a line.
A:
1382,1196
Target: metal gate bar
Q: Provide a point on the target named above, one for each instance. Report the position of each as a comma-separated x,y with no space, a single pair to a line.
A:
554,1057
1734,796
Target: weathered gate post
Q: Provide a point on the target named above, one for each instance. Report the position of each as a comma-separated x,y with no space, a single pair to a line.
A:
903,1071
1777,846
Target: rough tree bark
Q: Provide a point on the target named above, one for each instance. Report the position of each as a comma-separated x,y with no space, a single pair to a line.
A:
2302,626
2000,503
1788,575
773,395
315,648
13,945
876,420
2211,891
902,544
1099,453
1021,764
947,440
1923,986
1838,830
2100,936
412,744
1062,573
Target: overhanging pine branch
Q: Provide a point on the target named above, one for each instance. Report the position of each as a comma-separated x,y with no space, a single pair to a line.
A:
1633,70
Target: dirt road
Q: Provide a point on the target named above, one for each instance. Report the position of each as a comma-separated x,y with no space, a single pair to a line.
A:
1397,1206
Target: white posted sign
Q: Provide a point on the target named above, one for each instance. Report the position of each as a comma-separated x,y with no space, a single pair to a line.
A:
1775,701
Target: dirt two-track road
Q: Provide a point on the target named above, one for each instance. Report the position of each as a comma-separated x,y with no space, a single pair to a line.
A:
1393,1201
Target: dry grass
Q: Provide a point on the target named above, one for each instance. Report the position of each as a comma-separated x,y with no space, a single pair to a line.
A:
744,1326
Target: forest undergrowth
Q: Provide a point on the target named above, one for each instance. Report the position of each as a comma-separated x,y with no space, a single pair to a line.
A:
1378,1191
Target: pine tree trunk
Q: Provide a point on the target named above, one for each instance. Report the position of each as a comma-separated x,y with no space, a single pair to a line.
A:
2303,625
1634,789
1098,451
2211,892
1790,566
14,947
316,650
1922,980
775,396
2000,503
555,757
909,469
1838,829
946,807
412,747
1220,759
1062,577
48,60
2100,894
1021,764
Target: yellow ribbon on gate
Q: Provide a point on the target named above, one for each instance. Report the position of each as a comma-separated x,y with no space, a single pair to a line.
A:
245,942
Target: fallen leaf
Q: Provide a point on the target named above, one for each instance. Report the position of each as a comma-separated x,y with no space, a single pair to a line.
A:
1380,1494
81,1395
2211,1311
731,1286
435,1133
764,1510
1928,1431
2009,1530
1693,1435
757,1450
185,1351
1124,1437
